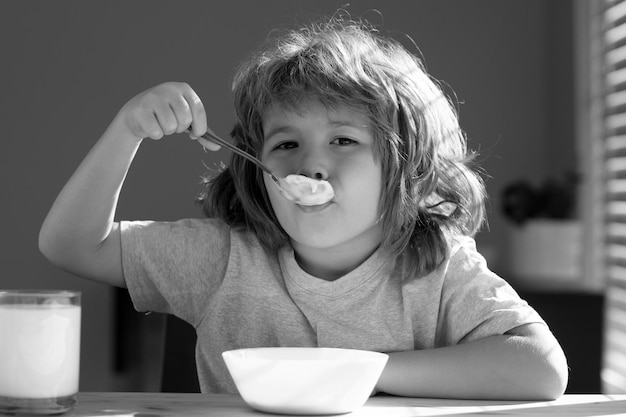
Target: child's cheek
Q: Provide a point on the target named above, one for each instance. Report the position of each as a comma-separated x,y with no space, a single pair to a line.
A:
274,196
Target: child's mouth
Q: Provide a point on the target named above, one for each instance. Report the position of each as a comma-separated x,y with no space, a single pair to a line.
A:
313,209
307,191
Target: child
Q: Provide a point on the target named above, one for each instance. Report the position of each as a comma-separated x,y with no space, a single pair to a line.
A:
389,264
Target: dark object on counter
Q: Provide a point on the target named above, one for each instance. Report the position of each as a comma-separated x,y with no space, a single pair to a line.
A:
554,199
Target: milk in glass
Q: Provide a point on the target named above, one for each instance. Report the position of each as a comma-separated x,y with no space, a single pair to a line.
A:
39,354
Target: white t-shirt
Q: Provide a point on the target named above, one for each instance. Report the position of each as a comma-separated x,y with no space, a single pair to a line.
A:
237,295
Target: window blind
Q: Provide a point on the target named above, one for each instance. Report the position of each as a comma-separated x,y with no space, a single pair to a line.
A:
608,28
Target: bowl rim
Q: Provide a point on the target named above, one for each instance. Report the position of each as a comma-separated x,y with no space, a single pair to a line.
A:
364,355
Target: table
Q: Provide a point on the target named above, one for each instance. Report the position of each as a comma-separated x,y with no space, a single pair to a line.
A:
93,404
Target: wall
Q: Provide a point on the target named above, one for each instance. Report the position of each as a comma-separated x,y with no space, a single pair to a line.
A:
68,66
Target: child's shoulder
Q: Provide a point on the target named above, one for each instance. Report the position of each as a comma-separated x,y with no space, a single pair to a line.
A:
210,229
190,235
466,264
463,261
462,255
461,245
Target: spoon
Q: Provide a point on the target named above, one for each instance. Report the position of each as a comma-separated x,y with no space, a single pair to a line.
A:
297,188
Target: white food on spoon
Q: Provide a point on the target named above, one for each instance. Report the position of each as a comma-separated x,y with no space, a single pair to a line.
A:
308,191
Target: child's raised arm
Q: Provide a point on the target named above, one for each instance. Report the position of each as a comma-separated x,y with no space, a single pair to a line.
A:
80,234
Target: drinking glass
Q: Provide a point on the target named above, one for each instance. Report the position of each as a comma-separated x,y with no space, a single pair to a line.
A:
39,351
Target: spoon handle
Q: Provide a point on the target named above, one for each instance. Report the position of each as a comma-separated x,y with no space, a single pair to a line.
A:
214,138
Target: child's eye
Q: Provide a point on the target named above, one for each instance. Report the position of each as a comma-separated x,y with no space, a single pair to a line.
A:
344,141
286,145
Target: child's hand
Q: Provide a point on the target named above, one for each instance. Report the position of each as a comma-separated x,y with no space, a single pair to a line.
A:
163,110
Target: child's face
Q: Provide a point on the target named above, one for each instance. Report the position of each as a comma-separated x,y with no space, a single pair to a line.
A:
337,145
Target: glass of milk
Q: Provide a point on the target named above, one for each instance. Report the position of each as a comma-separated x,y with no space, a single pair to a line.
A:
39,351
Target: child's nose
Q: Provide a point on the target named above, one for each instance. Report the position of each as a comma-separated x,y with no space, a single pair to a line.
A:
314,165
319,174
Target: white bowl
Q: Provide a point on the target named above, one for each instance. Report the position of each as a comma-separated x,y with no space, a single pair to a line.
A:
302,380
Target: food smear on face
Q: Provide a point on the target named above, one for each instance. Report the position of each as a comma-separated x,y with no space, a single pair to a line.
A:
308,191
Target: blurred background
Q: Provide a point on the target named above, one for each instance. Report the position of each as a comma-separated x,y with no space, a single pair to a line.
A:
513,66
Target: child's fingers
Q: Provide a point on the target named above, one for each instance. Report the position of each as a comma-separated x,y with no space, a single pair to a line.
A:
182,112
198,114
166,117
207,144
166,109
151,128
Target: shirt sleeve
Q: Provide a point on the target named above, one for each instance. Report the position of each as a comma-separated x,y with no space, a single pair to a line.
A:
174,267
475,302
